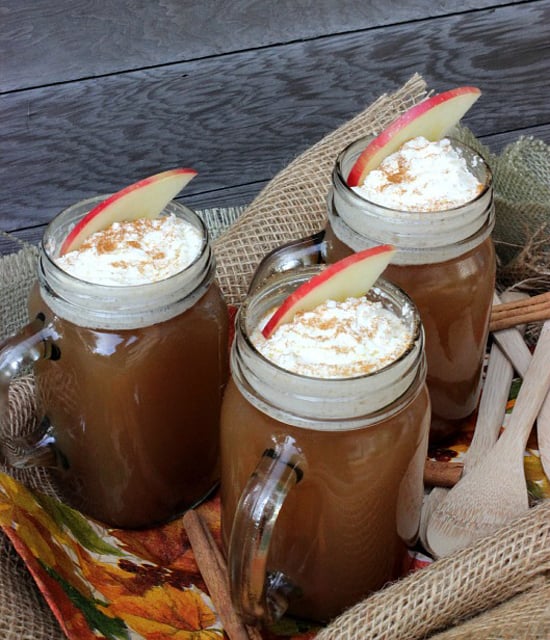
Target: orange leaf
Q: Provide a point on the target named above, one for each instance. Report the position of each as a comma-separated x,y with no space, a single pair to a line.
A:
166,612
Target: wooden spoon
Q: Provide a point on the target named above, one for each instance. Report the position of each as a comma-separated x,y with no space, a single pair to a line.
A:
520,356
494,491
496,390
543,436
492,407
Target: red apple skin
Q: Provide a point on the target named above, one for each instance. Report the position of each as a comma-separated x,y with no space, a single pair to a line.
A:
433,128
362,270
92,222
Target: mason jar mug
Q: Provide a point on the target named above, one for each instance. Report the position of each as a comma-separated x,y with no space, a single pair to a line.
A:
129,382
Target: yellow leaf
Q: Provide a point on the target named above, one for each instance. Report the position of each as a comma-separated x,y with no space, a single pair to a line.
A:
170,612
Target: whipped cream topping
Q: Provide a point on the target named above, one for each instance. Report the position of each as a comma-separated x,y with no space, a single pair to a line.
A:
135,252
336,339
421,176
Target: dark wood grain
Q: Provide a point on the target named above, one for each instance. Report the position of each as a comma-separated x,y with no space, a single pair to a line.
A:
239,118
44,42
244,194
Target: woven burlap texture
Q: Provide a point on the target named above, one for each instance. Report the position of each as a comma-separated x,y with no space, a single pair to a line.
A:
521,180
24,614
293,204
527,615
522,184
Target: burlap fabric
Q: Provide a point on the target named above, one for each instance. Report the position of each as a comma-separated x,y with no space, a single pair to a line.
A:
498,585
24,614
521,175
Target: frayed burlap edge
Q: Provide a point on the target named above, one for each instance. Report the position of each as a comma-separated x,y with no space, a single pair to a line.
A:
529,269
293,204
453,589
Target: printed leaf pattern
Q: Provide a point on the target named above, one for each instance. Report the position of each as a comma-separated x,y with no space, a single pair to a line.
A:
104,583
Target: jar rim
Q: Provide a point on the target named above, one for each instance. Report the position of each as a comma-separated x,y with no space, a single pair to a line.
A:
94,305
450,211
322,403
241,320
421,237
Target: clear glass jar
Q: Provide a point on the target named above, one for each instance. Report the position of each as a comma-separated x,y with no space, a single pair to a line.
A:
322,479
445,262
129,380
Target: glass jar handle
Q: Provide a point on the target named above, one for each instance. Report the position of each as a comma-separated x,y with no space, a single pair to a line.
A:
259,595
32,343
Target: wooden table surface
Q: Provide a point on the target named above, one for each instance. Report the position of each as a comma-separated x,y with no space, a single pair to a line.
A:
95,95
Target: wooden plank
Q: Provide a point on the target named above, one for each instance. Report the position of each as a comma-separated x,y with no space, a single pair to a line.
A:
244,194
240,118
48,42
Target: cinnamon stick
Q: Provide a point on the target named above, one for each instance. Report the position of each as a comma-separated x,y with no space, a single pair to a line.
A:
442,474
511,314
213,569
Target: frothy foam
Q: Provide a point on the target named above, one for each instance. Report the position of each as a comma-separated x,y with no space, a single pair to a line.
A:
336,340
421,176
135,252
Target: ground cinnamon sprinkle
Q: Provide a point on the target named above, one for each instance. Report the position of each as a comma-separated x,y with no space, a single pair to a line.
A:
119,234
135,252
399,174
422,176
336,339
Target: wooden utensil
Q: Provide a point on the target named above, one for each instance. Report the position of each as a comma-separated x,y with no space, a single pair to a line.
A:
517,351
430,503
492,407
494,491
543,436
496,390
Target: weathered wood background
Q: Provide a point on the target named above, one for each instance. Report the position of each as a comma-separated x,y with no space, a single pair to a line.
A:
94,95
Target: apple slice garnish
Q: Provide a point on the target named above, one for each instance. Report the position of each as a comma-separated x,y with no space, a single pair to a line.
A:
351,277
143,199
432,119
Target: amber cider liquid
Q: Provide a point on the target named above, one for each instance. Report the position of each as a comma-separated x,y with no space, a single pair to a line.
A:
454,299
135,413
336,537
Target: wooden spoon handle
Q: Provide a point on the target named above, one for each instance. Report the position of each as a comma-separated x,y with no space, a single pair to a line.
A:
518,353
532,393
496,388
492,406
513,345
543,436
